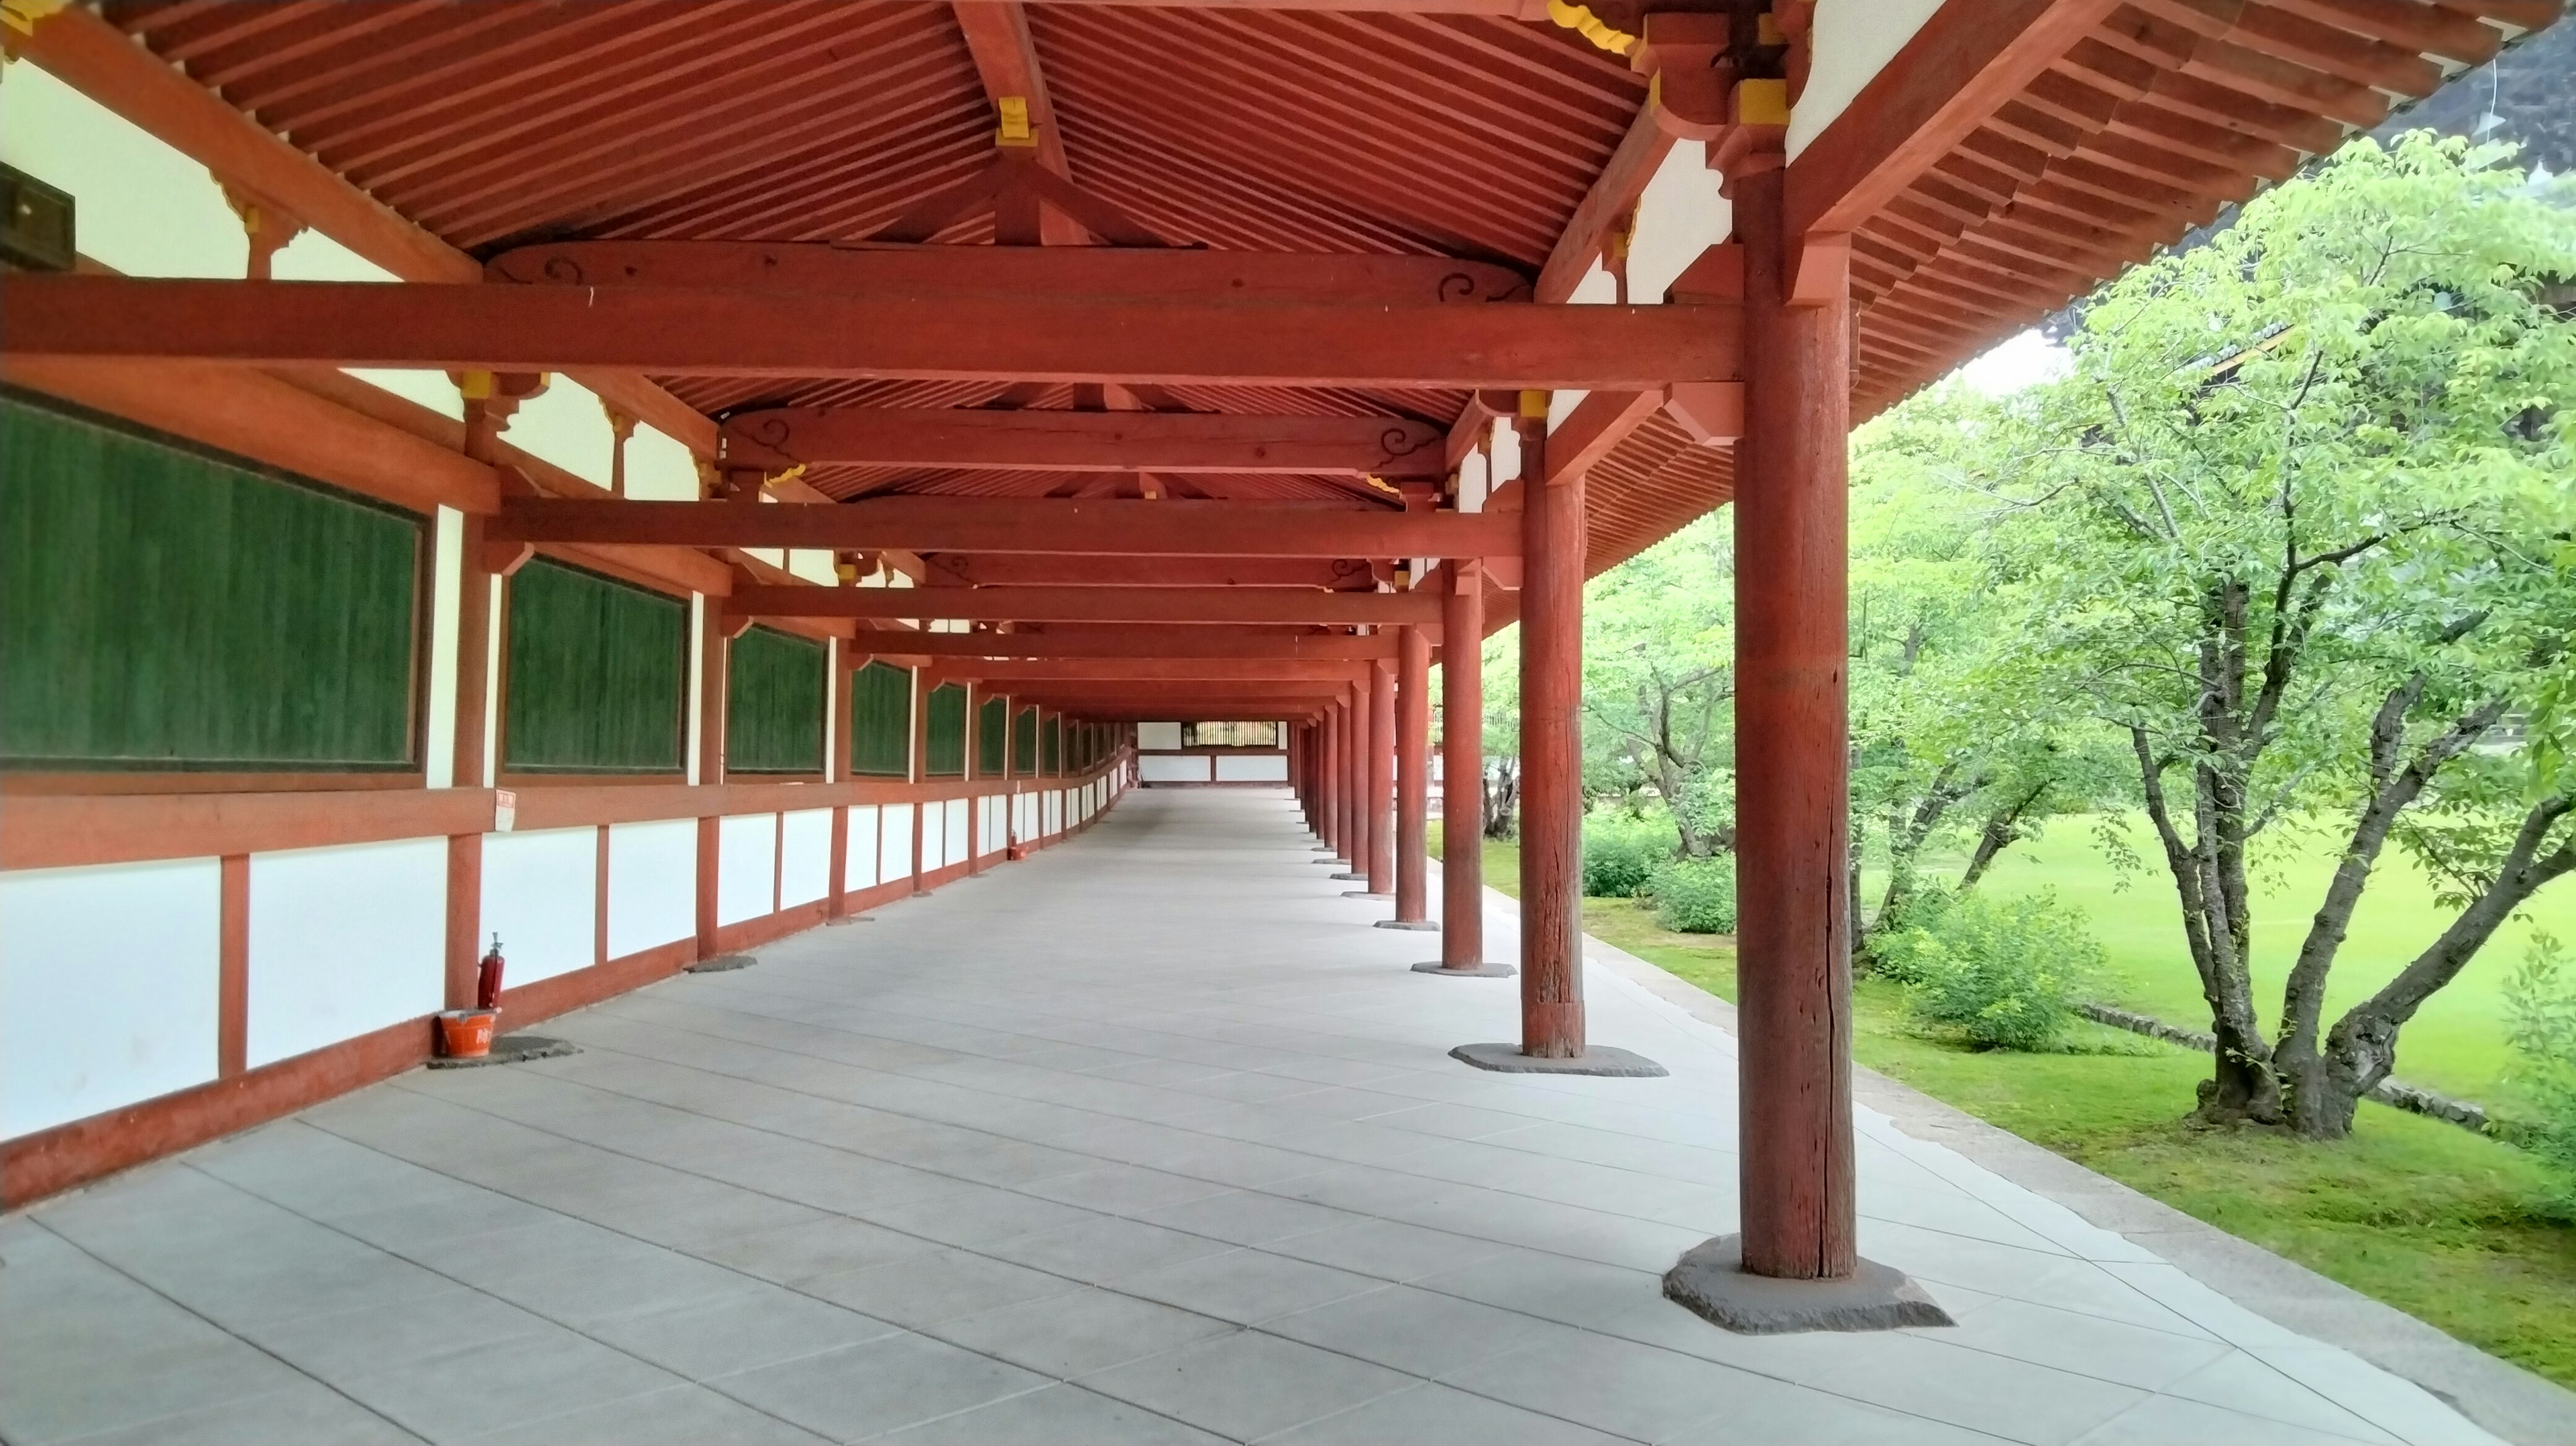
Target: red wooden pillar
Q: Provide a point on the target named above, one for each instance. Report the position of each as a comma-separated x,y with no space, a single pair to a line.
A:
1381,779
712,656
1355,775
1412,780
1462,771
1793,945
465,850
1551,747
836,768
974,762
1328,762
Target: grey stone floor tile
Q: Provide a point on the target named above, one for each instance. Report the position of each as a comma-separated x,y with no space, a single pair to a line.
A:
1611,1385
582,1298
1252,1217
829,1246
1388,1249
972,1215
939,1286
1247,1286
1102,1250
2164,1420
1551,1287
882,1386
1248,1385
1073,1335
2085,1345
133,1387
1060,1415
434,1322
1765,1413
1125,1189
2244,1384
677,1416
489,1385
1438,1416
1418,1332
304,1412
762,1327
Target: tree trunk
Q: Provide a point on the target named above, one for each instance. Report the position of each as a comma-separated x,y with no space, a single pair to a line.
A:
1502,799
2001,831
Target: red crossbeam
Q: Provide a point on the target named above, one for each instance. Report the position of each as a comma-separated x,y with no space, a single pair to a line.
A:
1090,604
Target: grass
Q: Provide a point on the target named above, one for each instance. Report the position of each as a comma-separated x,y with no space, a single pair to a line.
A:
2433,1220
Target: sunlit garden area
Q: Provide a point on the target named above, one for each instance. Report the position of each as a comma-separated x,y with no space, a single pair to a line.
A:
2214,670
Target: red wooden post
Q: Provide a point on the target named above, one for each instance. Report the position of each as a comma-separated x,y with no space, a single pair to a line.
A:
1793,945
974,761
1355,771
1413,782
1551,747
1381,779
712,654
836,768
465,850
1462,767
1328,785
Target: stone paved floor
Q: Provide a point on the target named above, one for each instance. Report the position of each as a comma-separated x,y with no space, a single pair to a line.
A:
1148,1140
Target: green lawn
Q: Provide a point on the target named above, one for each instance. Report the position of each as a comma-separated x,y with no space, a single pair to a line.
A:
2438,1222
2455,1044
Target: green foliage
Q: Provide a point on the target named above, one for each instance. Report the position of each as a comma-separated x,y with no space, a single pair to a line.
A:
2002,974
1621,852
2540,1023
1695,896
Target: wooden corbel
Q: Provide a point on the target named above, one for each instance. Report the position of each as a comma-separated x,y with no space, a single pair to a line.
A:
267,225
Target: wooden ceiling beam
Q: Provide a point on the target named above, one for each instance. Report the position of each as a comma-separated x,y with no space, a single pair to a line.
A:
930,524
1149,670
1053,441
1312,606
1006,59
692,332
1018,570
1173,640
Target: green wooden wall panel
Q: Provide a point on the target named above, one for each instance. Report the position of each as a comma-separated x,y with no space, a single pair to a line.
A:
944,751
774,701
598,675
1051,745
163,609
881,721
992,722
1024,742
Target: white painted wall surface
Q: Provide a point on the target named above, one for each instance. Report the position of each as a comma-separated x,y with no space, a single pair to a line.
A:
1853,40
934,837
1252,768
805,865
1679,215
652,884
991,823
895,843
344,941
541,895
1054,811
959,840
1174,768
143,208
746,866
859,865
565,425
108,983
1158,735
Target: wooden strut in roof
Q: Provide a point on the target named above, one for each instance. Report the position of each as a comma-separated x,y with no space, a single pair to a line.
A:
1056,441
1189,529
1091,604
1158,640
1160,670
1017,570
675,331
1006,59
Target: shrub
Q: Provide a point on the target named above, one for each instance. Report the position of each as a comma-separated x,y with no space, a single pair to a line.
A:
1620,852
2540,1024
1695,896
2003,975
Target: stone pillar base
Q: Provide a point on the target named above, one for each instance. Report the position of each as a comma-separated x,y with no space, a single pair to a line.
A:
1423,924
1710,1281
1598,1059
1487,970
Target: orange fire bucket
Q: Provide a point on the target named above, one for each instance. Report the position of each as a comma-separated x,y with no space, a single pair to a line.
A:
466,1033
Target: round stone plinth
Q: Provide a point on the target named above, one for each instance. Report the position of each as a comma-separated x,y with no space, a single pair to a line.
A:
1422,924
720,964
1598,1059
509,1049
1486,970
1352,874
1325,849
1711,1282
1363,893
1334,861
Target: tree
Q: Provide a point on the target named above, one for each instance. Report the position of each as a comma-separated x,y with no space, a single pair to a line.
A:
1659,677
1500,787
2289,529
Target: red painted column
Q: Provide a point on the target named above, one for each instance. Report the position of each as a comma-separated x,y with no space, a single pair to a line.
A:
1551,748
465,851
1413,780
713,655
1793,945
1356,769
1328,785
1462,766
1381,778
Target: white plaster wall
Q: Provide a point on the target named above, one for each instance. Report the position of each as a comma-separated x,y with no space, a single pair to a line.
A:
746,866
805,865
344,941
934,837
1054,811
859,867
1679,215
566,425
659,469
1158,735
1175,767
1255,768
652,884
894,843
541,895
1853,40
108,984
958,837
141,207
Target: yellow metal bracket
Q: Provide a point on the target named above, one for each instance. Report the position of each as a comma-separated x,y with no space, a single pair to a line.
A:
1015,129
1581,20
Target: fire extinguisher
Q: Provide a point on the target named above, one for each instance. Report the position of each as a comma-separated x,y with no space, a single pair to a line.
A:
487,985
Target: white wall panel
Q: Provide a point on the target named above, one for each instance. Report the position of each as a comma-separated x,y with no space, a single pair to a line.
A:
108,980
934,837
959,840
859,865
896,844
805,868
1852,40
541,895
746,867
1252,768
344,941
652,884
1175,767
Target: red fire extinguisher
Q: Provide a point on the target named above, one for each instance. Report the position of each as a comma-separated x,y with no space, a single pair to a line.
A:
487,985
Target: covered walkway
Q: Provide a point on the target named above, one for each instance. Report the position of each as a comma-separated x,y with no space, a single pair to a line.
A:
1168,1149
